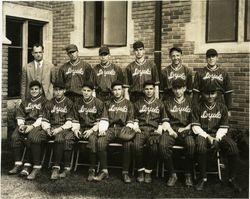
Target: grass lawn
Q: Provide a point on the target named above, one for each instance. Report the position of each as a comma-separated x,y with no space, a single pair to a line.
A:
76,186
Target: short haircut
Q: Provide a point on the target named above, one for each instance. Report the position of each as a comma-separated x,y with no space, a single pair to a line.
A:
37,45
175,49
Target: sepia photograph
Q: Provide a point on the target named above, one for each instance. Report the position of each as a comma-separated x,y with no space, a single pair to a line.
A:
125,99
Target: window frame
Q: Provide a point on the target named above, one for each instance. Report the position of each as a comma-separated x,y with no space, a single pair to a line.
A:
246,21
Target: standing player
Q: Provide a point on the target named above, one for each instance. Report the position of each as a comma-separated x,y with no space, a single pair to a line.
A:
210,124
178,109
87,113
149,117
118,115
28,120
106,73
215,74
74,73
174,71
138,72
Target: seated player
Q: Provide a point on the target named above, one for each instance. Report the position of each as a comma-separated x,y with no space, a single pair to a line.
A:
118,115
87,113
178,131
210,124
28,119
149,117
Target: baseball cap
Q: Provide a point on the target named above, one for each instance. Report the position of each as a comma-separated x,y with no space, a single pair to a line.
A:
209,88
35,83
88,84
178,83
59,85
116,83
104,50
71,48
148,82
138,44
211,52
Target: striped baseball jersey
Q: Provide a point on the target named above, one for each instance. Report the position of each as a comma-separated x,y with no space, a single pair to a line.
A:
105,75
58,112
118,112
169,74
30,109
179,113
137,73
150,113
218,77
87,113
74,75
210,118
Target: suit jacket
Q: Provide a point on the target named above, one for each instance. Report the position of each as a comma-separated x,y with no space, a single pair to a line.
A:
45,77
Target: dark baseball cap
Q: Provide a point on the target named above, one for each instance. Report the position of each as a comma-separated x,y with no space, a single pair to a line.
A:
178,83
211,52
116,83
209,88
71,48
59,85
35,83
148,82
104,50
138,44
88,84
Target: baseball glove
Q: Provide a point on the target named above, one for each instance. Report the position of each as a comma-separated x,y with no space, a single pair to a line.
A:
126,134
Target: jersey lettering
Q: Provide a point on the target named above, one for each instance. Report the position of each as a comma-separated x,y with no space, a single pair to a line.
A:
87,110
57,109
106,72
210,116
174,75
114,108
175,109
141,72
73,71
33,106
149,109
213,76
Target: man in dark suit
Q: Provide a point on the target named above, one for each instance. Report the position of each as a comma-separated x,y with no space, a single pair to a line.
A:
39,70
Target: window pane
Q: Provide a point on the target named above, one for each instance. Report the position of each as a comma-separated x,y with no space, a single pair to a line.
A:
221,20
115,23
14,72
14,32
247,24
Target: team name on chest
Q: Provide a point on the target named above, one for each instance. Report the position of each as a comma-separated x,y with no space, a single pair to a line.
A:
114,108
141,72
180,109
57,109
174,75
213,76
148,109
74,71
106,72
87,109
32,106
209,116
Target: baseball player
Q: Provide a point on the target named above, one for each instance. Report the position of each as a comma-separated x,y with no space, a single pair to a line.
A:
150,115
139,71
106,73
219,77
87,114
210,124
73,73
28,120
178,131
174,71
56,124
118,115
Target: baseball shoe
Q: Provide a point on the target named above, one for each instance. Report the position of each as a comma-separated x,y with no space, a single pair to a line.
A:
54,174
65,173
148,178
34,173
26,171
234,185
101,176
200,185
91,175
172,180
126,178
140,177
188,180
15,170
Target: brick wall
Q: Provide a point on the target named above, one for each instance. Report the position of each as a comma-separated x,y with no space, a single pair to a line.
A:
36,4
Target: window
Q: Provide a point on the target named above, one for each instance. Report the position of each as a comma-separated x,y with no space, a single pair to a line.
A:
105,23
247,21
17,30
221,20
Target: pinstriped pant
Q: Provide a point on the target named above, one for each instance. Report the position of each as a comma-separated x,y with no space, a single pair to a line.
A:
167,142
92,140
17,138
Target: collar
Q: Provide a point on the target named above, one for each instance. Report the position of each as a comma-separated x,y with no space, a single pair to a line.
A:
119,100
176,68
210,107
62,99
210,69
40,63
150,101
88,101
75,63
140,63
183,100
108,64
33,99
